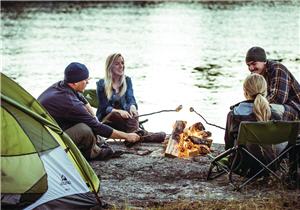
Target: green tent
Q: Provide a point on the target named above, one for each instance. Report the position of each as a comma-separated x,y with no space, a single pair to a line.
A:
41,167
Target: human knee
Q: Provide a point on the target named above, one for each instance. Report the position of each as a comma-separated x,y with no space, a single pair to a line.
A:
87,137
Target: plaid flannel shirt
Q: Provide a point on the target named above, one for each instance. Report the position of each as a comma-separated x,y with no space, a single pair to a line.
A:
283,89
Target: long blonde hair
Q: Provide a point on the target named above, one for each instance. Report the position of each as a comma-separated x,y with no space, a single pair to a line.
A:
255,88
108,76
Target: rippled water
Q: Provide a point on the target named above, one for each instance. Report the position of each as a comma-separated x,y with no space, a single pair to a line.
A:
176,53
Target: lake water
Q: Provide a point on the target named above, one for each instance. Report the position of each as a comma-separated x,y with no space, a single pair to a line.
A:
162,44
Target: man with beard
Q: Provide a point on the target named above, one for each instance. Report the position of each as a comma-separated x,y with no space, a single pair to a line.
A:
283,88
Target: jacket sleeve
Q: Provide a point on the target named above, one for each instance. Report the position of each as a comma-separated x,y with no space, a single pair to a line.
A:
80,115
104,107
130,99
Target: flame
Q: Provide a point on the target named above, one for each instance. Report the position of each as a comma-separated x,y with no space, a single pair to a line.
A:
194,141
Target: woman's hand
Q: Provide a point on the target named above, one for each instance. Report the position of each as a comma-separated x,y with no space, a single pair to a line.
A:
124,114
133,111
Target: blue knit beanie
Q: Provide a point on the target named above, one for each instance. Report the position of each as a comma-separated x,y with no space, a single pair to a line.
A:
76,72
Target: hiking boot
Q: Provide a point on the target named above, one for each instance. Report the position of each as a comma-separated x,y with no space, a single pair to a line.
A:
158,137
100,140
107,152
117,153
131,144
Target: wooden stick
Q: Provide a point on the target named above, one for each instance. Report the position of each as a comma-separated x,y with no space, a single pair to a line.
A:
165,110
192,110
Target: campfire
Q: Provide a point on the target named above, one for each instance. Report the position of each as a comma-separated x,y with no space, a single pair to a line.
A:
188,142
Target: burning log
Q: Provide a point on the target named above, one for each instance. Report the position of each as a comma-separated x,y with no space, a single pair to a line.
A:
197,140
197,127
172,147
203,149
188,142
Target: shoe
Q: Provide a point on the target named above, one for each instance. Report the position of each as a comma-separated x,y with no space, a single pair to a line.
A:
131,144
117,153
100,140
107,152
158,137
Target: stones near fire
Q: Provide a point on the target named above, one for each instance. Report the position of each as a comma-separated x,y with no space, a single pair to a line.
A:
188,142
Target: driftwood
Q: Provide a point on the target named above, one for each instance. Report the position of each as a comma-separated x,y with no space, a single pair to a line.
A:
172,147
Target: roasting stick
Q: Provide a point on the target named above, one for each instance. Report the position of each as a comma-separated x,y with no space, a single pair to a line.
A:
165,110
193,110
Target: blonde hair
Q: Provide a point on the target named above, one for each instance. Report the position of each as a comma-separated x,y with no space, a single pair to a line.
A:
108,76
255,88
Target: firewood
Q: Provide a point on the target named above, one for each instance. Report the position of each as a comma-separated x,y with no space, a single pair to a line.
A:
204,149
197,140
193,152
172,147
197,127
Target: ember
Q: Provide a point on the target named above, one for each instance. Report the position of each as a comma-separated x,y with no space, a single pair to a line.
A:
188,142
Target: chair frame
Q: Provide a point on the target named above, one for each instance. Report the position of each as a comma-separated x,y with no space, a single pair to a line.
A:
239,147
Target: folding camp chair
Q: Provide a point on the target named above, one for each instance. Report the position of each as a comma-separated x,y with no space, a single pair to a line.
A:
232,161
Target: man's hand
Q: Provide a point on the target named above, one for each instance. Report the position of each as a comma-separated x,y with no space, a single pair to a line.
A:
132,137
129,137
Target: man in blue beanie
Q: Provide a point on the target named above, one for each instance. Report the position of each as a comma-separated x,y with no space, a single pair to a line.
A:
65,103
283,88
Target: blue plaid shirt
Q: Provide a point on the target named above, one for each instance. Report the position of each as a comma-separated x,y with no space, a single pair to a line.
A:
283,89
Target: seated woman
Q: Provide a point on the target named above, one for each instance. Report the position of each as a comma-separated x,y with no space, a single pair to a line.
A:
255,108
117,104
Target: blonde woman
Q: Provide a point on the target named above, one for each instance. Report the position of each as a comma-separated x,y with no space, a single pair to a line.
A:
117,104
255,108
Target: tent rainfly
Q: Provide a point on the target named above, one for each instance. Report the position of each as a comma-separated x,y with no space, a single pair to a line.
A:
41,167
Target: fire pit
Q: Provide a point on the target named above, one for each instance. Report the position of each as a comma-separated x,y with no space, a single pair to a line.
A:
188,142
